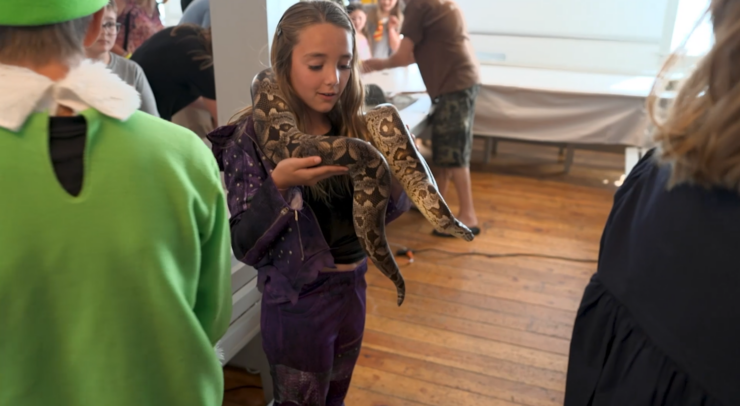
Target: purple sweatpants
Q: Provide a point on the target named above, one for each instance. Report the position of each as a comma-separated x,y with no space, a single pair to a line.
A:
312,346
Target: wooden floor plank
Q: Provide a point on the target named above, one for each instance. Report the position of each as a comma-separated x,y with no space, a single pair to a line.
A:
417,314
444,376
515,285
481,301
461,359
488,347
362,397
419,391
472,282
522,321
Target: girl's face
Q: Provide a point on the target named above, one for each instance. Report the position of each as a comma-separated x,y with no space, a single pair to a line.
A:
387,5
107,37
321,66
359,18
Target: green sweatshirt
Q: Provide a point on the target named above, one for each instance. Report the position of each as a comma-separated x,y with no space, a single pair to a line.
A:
115,297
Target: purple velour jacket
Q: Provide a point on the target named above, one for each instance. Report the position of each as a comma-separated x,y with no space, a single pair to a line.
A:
279,237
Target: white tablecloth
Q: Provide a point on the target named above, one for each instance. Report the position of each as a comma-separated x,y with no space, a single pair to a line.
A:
561,106
397,80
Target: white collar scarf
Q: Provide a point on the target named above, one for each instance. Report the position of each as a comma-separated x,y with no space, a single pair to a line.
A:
89,85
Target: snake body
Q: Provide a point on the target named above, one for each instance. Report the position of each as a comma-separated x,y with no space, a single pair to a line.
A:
390,152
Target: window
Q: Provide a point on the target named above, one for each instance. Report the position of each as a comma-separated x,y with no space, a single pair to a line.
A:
691,12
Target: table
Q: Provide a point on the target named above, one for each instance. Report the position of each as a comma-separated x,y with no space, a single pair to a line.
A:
405,80
562,107
397,80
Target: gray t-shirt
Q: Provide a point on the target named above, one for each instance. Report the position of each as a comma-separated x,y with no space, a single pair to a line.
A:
198,13
132,74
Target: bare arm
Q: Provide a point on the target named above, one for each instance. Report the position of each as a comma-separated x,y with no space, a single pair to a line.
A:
394,34
404,56
212,107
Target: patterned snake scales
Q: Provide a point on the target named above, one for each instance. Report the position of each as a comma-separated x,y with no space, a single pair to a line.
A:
370,168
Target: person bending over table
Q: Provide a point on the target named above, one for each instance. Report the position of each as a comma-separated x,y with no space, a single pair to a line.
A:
435,37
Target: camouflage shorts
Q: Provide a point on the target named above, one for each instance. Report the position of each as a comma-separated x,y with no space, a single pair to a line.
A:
452,128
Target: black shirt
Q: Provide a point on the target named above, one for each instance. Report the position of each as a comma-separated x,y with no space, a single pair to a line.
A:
337,226
67,136
336,223
669,257
175,77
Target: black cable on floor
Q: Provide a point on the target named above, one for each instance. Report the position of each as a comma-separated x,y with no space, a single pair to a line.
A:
243,387
410,253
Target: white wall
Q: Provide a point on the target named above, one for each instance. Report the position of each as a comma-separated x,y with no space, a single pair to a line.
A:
693,24
627,20
275,10
171,12
611,36
242,30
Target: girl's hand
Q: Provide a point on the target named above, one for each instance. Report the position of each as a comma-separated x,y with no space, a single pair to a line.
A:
393,23
303,172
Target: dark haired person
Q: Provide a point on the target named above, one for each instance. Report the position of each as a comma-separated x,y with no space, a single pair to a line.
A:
178,61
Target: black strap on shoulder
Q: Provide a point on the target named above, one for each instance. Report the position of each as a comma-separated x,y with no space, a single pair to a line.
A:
127,27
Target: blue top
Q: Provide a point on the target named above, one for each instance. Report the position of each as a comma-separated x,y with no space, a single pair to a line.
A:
198,13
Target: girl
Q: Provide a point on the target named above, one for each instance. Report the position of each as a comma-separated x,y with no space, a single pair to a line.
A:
384,22
359,19
139,20
659,323
129,71
293,221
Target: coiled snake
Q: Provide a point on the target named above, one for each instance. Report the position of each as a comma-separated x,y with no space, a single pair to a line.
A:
392,152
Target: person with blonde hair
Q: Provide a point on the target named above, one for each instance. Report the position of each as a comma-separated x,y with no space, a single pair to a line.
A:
659,322
139,19
293,222
383,27
359,19
115,266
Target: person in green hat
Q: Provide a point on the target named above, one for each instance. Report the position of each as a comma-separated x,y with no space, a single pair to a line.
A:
115,258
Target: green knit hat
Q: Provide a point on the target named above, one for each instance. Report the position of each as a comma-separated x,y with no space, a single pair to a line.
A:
42,12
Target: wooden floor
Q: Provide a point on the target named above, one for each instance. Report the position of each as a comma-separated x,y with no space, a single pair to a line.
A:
485,331
480,331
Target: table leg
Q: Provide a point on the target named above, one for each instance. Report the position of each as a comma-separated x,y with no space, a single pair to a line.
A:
569,152
490,148
487,149
632,156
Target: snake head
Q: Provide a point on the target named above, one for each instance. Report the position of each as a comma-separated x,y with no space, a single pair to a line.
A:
462,231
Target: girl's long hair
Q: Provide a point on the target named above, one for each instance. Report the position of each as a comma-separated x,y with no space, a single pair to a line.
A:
346,116
396,11
700,135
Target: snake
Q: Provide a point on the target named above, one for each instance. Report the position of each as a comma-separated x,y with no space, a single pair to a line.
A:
387,150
